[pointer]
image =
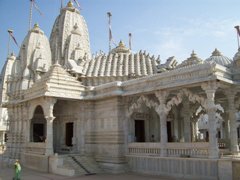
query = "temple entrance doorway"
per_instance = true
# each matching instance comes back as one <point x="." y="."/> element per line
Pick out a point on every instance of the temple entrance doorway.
<point x="139" y="131"/>
<point x="169" y="131"/>
<point x="69" y="134"/>
<point x="65" y="127"/>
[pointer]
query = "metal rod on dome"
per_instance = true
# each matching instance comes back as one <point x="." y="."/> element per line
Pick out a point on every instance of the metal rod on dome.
<point x="130" y="41"/>
<point x="110" y="30"/>
<point x="238" y="35"/>
<point x="61" y="4"/>
<point x="238" y="41"/>
<point x="9" y="40"/>
<point x="30" y="16"/>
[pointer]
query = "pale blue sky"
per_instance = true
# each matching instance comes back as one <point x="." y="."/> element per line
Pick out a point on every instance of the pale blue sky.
<point x="161" y="27"/>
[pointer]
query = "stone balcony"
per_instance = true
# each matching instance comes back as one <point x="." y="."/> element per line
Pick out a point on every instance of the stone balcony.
<point x="199" y="149"/>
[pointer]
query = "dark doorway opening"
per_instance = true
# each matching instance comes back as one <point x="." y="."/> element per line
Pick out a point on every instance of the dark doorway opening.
<point x="38" y="132"/>
<point x="139" y="131"/>
<point x="69" y="134"/>
<point x="38" y="126"/>
<point x="207" y="136"/>
<point x="169" y="131"/>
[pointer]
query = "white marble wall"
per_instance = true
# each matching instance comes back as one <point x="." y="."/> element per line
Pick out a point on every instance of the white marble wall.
<point x="175" y="167"/>
<point x="104" y="133"/>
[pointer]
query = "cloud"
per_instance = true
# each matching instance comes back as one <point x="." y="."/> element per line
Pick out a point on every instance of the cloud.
<point x="193" y="34"/>
<point x="172" y="47"/>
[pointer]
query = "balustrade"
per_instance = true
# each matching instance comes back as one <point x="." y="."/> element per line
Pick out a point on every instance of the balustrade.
<point x="173" y="149"/>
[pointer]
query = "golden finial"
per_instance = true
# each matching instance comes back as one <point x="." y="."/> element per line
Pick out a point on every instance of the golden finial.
<point x="121" y="44"/>
<point x="36" y="25"/>
<point x="216" y="52"/>
<point x="193" y="54"/>
<point x="70" y="4"/>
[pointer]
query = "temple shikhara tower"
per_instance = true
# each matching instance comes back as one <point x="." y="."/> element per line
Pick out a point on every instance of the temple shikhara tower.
<point x="72" y="112"/>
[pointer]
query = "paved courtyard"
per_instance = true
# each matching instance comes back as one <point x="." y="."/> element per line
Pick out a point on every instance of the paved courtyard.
<point x="6" y="173"/>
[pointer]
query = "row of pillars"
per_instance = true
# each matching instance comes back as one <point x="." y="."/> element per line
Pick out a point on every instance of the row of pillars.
<point x="19" y="126"/>
<point x="210" y="89"/>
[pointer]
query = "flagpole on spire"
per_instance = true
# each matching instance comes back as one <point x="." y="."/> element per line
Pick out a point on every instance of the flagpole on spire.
<point x="130" y="41"/>
<point x="238" y="35"/>
<point x="9" y="39"/>
<point x="110" y="30"/>
<point x="30" y="16"/>
<point x="33" y="4"/>
<point x="77" y="3"/>
<point x="61" y="4"/>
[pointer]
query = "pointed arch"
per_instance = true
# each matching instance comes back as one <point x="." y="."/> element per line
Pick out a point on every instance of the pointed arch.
<point x="38" y="125"/>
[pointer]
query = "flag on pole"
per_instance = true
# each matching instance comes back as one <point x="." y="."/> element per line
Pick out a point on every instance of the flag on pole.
<point x="109" y="30"/>
<point x="78" y="5"/>
<point x="111" y="40"/>
<point x="238" y="30"/>
<point x="130" y="41"/>
<point x="109" y="24"/>
<point x="12" y="36"/>
<point x="36" y="7"/>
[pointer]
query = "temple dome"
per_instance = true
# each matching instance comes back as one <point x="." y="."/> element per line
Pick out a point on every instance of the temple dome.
<point x="118" y="66"/>
<point x="218" y="58"/>
<point x="193" y="59"/>
<point x="35" y="54"/>
<point x="67" y="23"/>
<point x="31" y="42"/>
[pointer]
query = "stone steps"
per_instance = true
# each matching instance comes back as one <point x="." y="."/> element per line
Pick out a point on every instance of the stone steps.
<point x="82" y="165"/>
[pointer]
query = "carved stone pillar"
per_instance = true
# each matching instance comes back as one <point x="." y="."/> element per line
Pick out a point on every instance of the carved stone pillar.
<point x="26" y="130"/>
<point x="176" y="123"/>
<point x="49" y="104"/>
<point x="233" y="122"/>
<point x="10" y="132"/>
<point x="25" y="127"/>
<point x="15" y="133"/>
<point x="81" y="124"/>
<point x="226" y="126"/>
<point x="19" y="127"/>
<point x="194" y="129"/>
<point x="210" y="90"/>
<point x="49" y="137"/>
<point x="162" y="112"/>
<point x="186" y="122"/>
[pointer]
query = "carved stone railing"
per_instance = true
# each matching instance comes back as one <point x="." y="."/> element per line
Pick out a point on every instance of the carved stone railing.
<point x="35" y="148"/>
<point x="144" y="148"/>
<point x="173" y="149"/>
<point x="188" y="149"/>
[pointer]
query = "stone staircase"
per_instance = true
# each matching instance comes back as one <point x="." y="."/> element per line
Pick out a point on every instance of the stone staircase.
<point x="82" y="165"/>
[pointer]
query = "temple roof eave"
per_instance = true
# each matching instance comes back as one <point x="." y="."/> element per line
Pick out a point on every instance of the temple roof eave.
<point x="56" y="83"/>
<point x="193" y="76"/>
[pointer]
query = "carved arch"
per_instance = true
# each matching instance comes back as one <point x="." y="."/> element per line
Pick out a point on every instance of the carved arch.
<point x="176" y="100"/>
<point x="137" y="104"/>
<point x="33" y="109"/>
<point x="47" y="105"/>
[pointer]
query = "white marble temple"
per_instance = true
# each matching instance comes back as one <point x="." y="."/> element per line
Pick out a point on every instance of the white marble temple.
<point x="125" y="110"/>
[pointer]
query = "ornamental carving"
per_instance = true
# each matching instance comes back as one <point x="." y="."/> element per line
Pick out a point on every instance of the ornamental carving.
<point x="136" y="105"/>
